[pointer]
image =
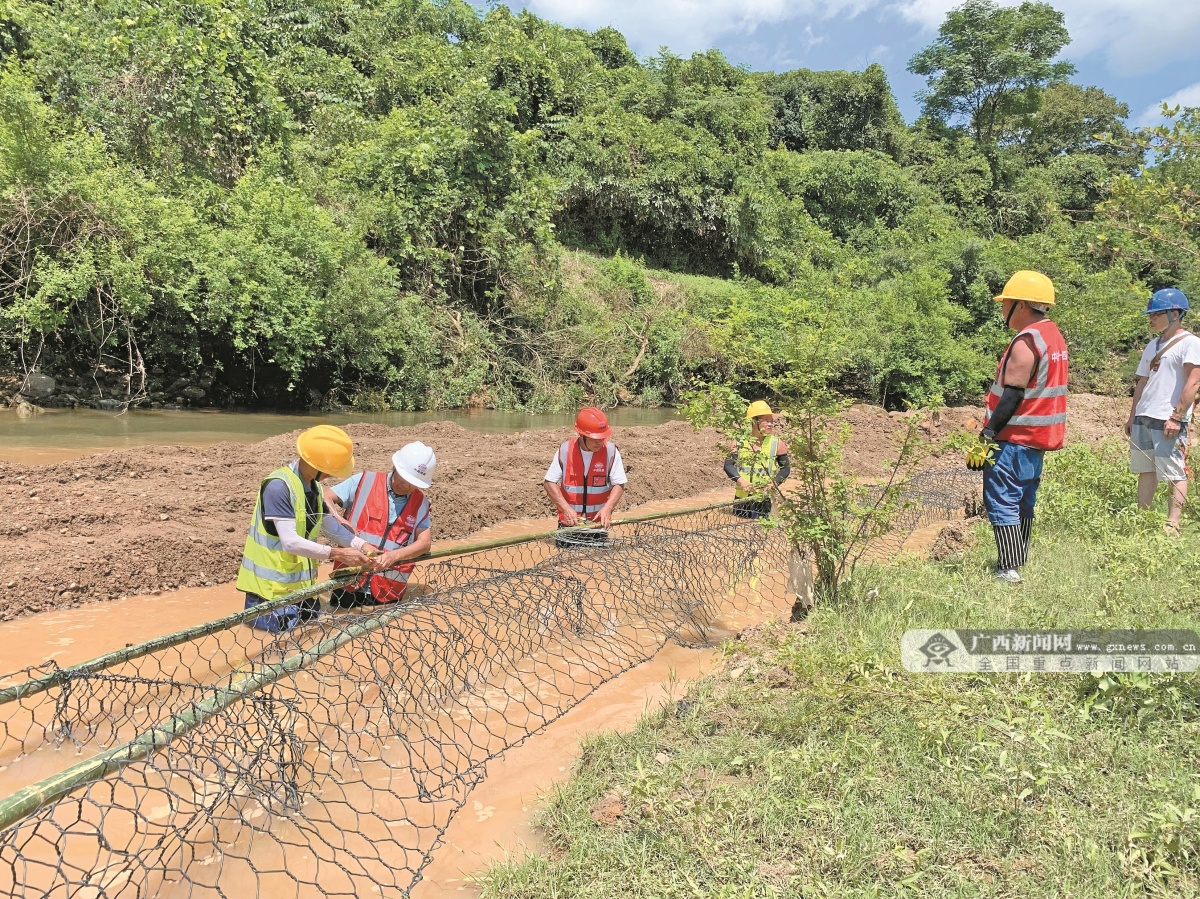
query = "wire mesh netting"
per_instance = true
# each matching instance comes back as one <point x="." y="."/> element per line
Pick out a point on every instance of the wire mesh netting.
<point x="328" y="760"/>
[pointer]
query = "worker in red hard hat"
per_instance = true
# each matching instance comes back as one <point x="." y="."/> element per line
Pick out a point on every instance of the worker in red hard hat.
<point x="586" y="478"/>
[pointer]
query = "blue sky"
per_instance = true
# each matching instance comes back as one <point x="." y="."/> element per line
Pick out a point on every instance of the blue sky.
<point x="1141" y="51"/>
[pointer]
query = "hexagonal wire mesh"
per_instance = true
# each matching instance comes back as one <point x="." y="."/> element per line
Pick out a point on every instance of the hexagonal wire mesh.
<point x="329" y="760"/>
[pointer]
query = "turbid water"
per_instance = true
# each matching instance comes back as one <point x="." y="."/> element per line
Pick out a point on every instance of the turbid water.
<point x="496" y="820"/>
<point x="55" y="435"/>
<point x="497" y="814"/>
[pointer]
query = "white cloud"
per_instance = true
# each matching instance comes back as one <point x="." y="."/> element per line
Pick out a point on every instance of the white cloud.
<point x="1187" y="96"/>
<point x="810" y="39"/>
<point x="689" y="25"/>
<point x="1134" y="36"/>
<point x="770" y="54"/>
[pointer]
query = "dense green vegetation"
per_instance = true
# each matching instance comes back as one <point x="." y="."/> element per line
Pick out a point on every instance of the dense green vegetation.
<point x="406" y="203"/>
<point x="814" y="765"/>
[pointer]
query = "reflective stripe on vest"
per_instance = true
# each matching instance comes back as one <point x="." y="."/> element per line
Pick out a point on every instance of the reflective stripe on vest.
<point x="757" y="466"/>
<point x="1037" y="421"/>
<point x="293" y="578"/>
<point x="1033" y="393"/>
<point x="267" y="570"/>
<point x="370" y="516"/>
<point x="1040" y="421"/>
<point x="262" y="538"/>
<point x="586" y="492"/>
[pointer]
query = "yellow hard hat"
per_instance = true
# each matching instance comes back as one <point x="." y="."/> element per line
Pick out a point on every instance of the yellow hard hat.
<point x="757" y="408"/>
<point x="1028" y="287"/>
<point x="327" y="449"/>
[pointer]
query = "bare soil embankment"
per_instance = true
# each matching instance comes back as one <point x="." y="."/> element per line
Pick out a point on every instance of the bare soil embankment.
<point x="157" y="518"/>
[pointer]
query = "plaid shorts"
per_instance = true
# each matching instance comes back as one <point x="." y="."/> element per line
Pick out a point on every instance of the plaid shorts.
<point x="1151" y="452"/>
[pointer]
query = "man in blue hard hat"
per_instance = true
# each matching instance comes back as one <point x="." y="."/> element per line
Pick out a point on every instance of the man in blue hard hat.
<point x="1168" y="377"/>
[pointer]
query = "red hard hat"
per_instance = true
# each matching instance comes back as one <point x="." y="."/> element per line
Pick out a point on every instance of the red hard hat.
<point x="591" y="422"/>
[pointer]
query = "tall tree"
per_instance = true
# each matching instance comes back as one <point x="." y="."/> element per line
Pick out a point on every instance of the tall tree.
<point x="1153" y="219"/>
<point x="1076" y="119"/>
<point x="991" y="62"/>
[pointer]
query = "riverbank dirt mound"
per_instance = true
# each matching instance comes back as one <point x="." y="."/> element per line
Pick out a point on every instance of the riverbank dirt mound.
<point x="1092" y="418"/>
<point x="157" y="518"/>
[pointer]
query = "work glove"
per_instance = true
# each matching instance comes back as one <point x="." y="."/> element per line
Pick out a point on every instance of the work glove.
<point x="980" y="453"/>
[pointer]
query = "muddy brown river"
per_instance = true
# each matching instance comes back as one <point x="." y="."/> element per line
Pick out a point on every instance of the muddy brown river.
<point x="55" y="435"/>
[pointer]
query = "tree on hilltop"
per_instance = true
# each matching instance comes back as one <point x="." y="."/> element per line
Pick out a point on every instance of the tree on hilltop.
<point x="990" y="63"/>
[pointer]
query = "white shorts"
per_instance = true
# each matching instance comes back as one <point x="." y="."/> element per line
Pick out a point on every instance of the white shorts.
<point x="1151" y="452"/>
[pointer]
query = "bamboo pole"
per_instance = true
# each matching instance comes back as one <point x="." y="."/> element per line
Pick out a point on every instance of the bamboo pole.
<point x="26" y="801"/>
<point x="37" y="685"/>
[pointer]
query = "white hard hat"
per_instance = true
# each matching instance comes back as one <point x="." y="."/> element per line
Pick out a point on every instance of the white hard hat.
<point x="416" y="463"/>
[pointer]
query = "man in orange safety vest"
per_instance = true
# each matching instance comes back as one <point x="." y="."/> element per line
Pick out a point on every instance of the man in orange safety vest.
<point x="390" y="511"/>
<point x="586" y="478"/>
<point x="1026" y="417"/>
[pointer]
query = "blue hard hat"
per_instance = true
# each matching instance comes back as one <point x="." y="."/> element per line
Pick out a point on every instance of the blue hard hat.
<point x="1167" y="298"/>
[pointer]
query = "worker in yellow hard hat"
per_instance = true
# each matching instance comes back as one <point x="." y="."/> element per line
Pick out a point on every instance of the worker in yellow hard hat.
<point x="1026" y="417"/>
<point x="281" y="552"/>
<point x="756" y="462"/>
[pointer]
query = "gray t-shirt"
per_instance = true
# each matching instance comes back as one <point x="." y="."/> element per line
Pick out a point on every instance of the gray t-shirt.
<point x="277" y="503"/>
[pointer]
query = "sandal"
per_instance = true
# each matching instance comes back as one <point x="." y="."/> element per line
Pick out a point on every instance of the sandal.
<point x="1171" y="529"/>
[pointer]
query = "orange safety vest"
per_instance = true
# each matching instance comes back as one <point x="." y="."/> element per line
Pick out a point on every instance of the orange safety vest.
<point x="369" y="514"/>
<point x="1040" y="421"/>
<point x="586" y="493"/>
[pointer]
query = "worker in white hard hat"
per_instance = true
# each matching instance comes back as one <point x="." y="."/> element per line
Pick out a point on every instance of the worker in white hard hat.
<point x="390" y="511"/>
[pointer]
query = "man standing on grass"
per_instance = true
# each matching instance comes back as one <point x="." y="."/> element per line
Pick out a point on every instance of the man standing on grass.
<point x="1167" y="380"/>
<point x="1026" y="416"/>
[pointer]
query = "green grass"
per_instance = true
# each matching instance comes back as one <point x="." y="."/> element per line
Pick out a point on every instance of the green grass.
<point x="813" y="765"/>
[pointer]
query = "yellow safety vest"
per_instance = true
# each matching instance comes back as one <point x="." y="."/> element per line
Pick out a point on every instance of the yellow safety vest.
<point x="758" y="466"/>
<point x="266" y="569"/>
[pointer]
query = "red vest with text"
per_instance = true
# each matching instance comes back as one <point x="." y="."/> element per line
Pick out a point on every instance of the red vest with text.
<point x="369" y="515"/>
<point x="1040" y="422"/>
<point x="586" y="492"/>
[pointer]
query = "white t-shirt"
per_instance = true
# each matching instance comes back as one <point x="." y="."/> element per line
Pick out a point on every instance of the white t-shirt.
<point x="554" y="474"/>
<point x="1163" y="387"/>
